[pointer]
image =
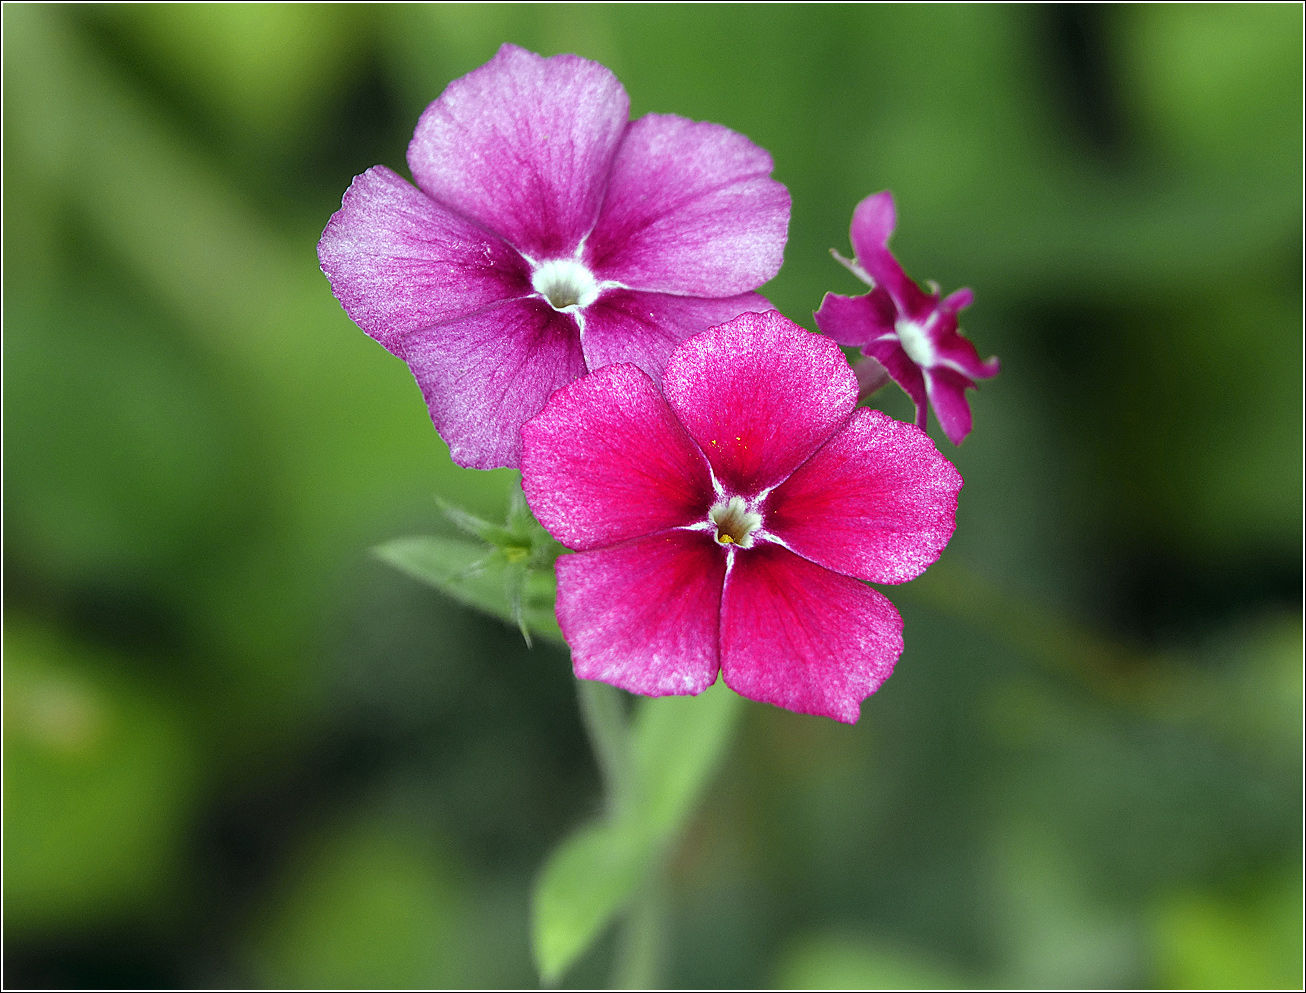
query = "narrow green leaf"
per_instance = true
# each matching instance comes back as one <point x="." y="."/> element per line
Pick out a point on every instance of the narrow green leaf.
<point x="603" y="712"/>
<point x="642" y="948"/>
<point x="477" y="527"/>
<point x="478" y="577"/>
<point x="587" y="881"/>
<point x="520" y="518"/>
<point x="514" y="574"/>
<point x="677" y="743"/>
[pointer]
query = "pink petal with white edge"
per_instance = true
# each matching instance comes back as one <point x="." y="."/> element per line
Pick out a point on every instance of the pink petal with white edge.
<point x="645" y="328"/>
<point x="759" y="395"/>
<point x="951" y="349"/>
<point x="802" y="637"/>
<point x="606" y="460"/>
<point x="873" y="223"/>
<point x="399" y="262"/>
<point x="644" y="615"/>
<point x="947" y="389"/>
<point x="878" y="502"/>
<point x="904" y="372"/>
<point x="857" y="320"/>
<point x="523" y="145"/>
<point x="485" y="375"/>
<point x="691" y="209"/>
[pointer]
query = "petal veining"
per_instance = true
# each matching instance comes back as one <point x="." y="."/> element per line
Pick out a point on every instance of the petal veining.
<point x="645" y="328"/>
<point x="802" y="637"/>
<point x="523" y="145"/>
<point x="691" y="208"/>
<point x="606" y="460"/>
<point x="644" y="615"/>
<point x="878" y="501"/>
<point x="759" y="395"/>
<point x="484" y="375"/>
<point x="399" y="262"/>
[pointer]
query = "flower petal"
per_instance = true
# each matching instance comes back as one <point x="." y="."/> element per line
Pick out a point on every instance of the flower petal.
<point x="644" y="615"/>
<point x="873" y="223"/>
<point x="802" y="637"/>
<point x="606" y="460"/>
<point x="903" y="371"/>
<point x="485" y="375"/>
<point x="947" y="389"/>
<point x="951" y="349"/>
<point x="877" y="502"/>
<point x="645" y="328"/>
<point x="691" y="209"/>
<point x="523" y="145"/>
<point x="857" y="320"/>
<point x="871" y="375"/>
<point x="399" y="262"/>
<point x="759" y="395"/>
<point x="958" y="300"/>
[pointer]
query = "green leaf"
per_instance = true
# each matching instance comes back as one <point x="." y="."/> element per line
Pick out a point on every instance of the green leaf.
<point x="587" y="881"/>
<point x="517" y="560"/>
<point x="480" y="577"/>
<point x="477" y="527"/>
<point x="675" y="746"/>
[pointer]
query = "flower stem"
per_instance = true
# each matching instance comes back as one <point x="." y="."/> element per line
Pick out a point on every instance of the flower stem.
<point x="640" y="944"/>
<point x="603" y="712"/>
<point x="638" y="964"/>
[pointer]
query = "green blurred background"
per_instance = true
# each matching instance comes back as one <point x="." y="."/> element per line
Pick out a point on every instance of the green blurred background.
<point x="239" y="750"/>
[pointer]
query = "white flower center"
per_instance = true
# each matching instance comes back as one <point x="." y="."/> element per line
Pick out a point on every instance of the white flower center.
<point x="915" y="342"/>
<point x="735" y="523"/>
<point x="565" y="283"/>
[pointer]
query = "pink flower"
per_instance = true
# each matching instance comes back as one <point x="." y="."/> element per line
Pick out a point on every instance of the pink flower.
<point x="724" y="522"/>
<point x="904" y="332"/>
<point x="548" y="235"/>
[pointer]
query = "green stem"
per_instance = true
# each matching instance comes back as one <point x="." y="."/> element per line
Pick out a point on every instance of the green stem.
<point x="603" y="712"/>
<point x="640" y="950"/>
<point x="639" y="947"/>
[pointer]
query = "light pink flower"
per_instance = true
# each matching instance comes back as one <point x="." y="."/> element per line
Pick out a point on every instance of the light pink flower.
<point x="724" y="522"/>
<point x="904" y="332"/>
<point x="548" y="235"/>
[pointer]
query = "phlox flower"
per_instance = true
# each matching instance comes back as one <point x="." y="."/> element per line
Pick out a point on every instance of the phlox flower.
<point x="904" y="332"/>
<point x="723" y="522"/>
<point x="548" y="235"/>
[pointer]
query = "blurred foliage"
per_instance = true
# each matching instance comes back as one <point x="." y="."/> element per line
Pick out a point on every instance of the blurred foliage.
<point x="240" y="750"/>
<point x="103" y="773"/>
<point x="372" y="907"/>
<point x="655" y="779"/>
<point x="846" y="962"/>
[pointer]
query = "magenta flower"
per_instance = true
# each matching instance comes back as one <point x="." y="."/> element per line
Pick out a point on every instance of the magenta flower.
<point x="548" y="235"/>
<point x="724" y="522"/>
<point x="902" y="331"/>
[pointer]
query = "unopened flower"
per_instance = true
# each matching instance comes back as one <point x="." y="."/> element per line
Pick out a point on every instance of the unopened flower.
<point x="904" y="332"/>
<point x="726" y="522"/>
<point x="548" y="235"/>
